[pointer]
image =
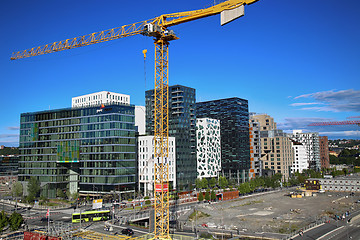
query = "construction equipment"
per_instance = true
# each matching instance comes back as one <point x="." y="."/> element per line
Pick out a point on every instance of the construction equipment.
<point x="158" y="29"/>
<point x="356" y="122"/>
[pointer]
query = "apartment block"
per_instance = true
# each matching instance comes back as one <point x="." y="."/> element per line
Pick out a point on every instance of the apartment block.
<point x="98" y="98"/>
<point x="324" y="152"/>
<point x="311" y="143"/>
<point x="300" y="158"/>
<point x="277" y="153"/>
<point x="256" y="165"/>
<point x="146" y="163"/>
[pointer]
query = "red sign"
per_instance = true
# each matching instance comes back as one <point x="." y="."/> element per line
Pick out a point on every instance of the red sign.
<point x="163" y="187"/>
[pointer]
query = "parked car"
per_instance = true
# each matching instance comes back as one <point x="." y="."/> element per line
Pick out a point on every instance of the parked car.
<point x="45" y="219"/>
<point x="127" y="231"/>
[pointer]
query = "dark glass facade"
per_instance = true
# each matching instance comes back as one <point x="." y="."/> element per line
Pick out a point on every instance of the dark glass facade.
<point x="9" y="165"/>
<point x="89" y="150"/>
<point x="233" y="114"/>
<point x="182" y="126"/>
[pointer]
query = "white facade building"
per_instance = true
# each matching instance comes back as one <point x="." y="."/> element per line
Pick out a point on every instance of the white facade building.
<point x="208" y="150"/>
<point x="140" y="119"/>
<point x="311" y="143"/>
<point x="300" y="158"/>
<point x="146" y="163"/>
<point x="98" y="98"/>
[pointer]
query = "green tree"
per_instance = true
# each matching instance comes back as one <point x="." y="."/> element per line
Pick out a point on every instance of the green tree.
<point x="244" y="188"/>
<point x="212" y="182"/>
<point x="201" y="197"/>
<point x="212" y="196"/>
<point x="223" y="183"/>
<point x="17" y="189"/>
<point x="204" y="183"/>
<point x="60" y="193"/>
<point x="207" y="196"/>
<point x="4" y="220"/>
<point x="33" y="189"/>
<point x="15" y="221"/>
<point x="198" y="183"/>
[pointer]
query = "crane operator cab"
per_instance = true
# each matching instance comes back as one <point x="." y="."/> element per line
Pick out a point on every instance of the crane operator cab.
<point x="154" y="30"/>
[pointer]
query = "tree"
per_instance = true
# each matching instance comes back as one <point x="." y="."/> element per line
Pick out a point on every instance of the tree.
<point x="223" y="183"/>
<point x="4" y="220"/>
<point x="212" y="182"/>
<point x="207" y="196"/>
<point x="60" y="193"/>
<point x="212" y="196"/>
<point x="198" y="183"/>
<point x="17" y="189"/>
<point x="201" y="197"/>
<point x="244" y="188"/>
<point x="33" y="189"/>
<point x="15" y="221"/>
<point x="204" y="183"/>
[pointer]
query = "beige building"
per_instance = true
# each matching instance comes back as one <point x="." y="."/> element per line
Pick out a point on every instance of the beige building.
<point x="276" y="148"/>
<point x="266" y="122"/>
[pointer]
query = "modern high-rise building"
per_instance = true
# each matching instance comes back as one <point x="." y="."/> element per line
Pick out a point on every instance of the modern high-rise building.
<point x="9" y="165"/>
<point x="324" y="152"/>
<point x="233" y="114"/>
<point x="256" y="165"/>
<point x="311" y="142"/>
<point x="277" y="153"/>
<point x="86" y="150"/>
<point x="182" y="124"/>
<point x="146" y="164"/>
<point x="208" y="147"/>
<point x="98" y="98"/>
<point x="300" y="158"/>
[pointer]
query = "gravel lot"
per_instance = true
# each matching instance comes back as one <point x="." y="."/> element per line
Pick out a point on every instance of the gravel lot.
<point x="275" y="212"/>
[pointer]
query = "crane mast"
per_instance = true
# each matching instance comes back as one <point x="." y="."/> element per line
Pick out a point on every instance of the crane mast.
<point x="158" y="29"/>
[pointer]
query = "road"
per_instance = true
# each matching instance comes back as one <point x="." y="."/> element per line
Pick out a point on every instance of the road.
<point x="341" y="229"/>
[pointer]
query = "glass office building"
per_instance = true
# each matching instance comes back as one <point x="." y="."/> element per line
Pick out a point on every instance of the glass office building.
<point x="233" y="114"/>
<point x="86" y="150"/>
<point x="182" y="126"/>
<point x="9" y="165"/>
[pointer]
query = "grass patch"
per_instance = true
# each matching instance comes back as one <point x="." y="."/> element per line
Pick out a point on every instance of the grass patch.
<point x="197" y="215"/>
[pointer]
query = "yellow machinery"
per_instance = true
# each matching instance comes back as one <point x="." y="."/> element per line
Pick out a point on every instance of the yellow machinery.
<point x="158" y="29"/>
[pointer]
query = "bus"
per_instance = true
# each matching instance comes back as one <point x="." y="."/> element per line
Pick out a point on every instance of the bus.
<point x="91" y="216"/>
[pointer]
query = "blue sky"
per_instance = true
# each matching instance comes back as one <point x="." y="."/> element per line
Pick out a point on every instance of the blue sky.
<point x="296" y="62"/>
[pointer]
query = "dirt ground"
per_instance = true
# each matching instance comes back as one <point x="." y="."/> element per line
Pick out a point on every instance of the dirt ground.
<point x="276" y="212"/>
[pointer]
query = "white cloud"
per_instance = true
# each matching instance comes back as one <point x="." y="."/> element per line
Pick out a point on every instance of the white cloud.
<point x="13" y="128"/>
<point x="340" y="101"/>
<point x="304" y="104"/>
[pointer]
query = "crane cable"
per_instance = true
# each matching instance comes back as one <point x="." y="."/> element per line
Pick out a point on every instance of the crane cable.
<point x="144" y="52"/>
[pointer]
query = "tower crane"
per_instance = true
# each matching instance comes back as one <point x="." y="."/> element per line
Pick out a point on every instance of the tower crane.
<point x="334" y="123"/>
<point x="157" y="28"/>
